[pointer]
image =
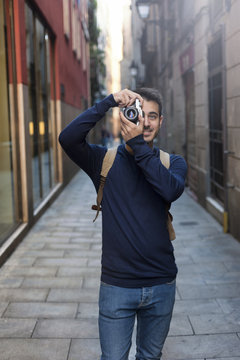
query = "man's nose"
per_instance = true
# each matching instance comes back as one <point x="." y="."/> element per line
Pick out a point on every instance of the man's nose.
<point x="146" y="121"/>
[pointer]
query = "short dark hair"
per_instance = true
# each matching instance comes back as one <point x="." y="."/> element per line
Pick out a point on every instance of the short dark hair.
<point x="151" y="94"/>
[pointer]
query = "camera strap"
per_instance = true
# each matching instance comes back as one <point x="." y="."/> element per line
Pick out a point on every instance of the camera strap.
<point x="108" y="161"/>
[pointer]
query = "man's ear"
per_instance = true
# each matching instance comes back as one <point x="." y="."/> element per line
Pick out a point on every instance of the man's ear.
<point x="160" y="120"/>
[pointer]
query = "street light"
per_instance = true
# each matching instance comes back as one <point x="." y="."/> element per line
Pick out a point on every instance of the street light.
<point x="133" y="71"/>
<point x="143" y="7"/>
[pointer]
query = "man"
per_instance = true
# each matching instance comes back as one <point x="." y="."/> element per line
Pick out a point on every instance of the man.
<point x="138" y="265"/>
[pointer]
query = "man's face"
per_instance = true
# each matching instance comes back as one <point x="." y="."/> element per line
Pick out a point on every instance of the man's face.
<point x="152" y="120"/>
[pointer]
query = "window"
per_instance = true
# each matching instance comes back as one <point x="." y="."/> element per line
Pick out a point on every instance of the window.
<point x="76" y="30"/>
<point x="215" y="84"/>
<point x="7" y="209"/>
<point x="40" y="116"/>
<point x="66" y="18"/>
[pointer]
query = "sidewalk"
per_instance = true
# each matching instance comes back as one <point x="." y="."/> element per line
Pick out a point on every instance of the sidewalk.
<point x="49" y="286"/>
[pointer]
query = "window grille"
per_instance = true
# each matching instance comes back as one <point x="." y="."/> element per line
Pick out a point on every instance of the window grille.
<point x="215" y="100"/>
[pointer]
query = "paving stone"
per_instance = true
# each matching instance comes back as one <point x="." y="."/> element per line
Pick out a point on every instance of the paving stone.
<point x="66" y="234"/>
<point x="16" y="328"/>
<point x="80" y="240"/>
<point x="61" y="262"/>
<point x="87" y="310"/>
<point x="218" y="243"/>
<point x="197" y="307"/>
<point x="177" y="296"/>
<point x="85" y="349"/>
<point x="3" y="306"/>
<point x="53" y="282"/>
<point x="41" y="310"/>
<point x="69" y="295"/>
<point x="63" y="230"/>
<point x="94" y="262"/>
<point x="215" y="323"/>
<point x="210" y="268"/>
<point x="228" y="277"/>
<point x="232" y="265"/>
<point x="207" y="255"/>
<point x="97" y="247"/>
<point x="31" y="246"/>
<point x="230" y="305"/>
<point x="68" y="224"/>
<point x="31" y="271"/>
<point x="97" y="236"/>
<point x="42" y="253"/>
<point x="183" y="260"/>
<point x="34" y="349"/>
<point x="78" y="271"/>
<point x="209" y="291"/>
<point x="91" y="282"/>
<point x="191" y="279"/>
<point x="180" y="325"/>
<point x="202" y="346"/>
<point x="82" y="246"/>
<point x="82" y="253"/>
<point x="9" y="282"/>
<point x="28" y="261"/>
<point x="23" y="294"/>
<point x="52" y="239"/>
<point x="67" y="328"/>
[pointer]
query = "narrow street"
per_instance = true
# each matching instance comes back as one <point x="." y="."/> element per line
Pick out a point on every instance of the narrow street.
<point x="49" y="286"/>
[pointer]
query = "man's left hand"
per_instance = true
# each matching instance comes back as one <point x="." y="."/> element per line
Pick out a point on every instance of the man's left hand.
<point x="129" y="130"/>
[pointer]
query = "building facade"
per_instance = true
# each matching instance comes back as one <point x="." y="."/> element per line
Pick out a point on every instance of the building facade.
<point x="197" y="69"/>
<point x="44" y="82"/>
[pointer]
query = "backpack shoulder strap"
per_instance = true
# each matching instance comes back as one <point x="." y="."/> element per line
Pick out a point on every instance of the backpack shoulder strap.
<point x="106" y="166"/>
<point x="165" y="158"/>
<point x="108" y="161"/>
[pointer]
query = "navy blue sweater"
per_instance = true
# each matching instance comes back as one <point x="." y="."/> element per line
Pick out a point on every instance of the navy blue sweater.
<point x="136" y="249"/>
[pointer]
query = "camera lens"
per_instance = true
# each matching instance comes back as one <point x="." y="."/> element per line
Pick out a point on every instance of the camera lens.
<point x="131" y="113"/>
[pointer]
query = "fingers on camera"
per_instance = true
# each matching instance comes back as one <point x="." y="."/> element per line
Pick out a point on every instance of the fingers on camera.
<point x="131" y="97"/>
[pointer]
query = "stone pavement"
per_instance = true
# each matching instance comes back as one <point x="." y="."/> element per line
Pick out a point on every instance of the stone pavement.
<point x="49" y="286"/>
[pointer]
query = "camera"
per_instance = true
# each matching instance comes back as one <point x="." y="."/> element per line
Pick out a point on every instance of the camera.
<point x="131" y="112"/>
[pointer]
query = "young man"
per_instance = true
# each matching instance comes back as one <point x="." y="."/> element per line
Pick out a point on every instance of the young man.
<point x="138" y="265"/>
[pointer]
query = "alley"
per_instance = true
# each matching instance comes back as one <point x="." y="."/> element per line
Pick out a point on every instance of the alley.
<point x="49" y="286"/>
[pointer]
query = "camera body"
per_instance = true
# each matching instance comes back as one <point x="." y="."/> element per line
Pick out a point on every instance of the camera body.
<point x="132" y="112"/>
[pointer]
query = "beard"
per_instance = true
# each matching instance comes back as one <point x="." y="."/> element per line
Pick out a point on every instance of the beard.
<point x="151" y="134"/>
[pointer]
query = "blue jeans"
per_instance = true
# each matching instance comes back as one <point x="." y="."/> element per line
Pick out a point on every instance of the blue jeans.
<point x="118" y="308"/>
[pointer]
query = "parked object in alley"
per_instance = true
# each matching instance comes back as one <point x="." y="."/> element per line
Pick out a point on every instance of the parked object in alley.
<point x="138" y="264"/>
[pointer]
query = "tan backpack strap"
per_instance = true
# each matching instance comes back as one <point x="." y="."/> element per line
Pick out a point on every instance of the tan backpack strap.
<point x="165" y="159"/>
<point x="108" y="161"/>
<point x="106" y="166"/>
<point x="171" y="231"/>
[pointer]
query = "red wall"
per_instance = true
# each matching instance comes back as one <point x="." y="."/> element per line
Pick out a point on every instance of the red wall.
<point x="68" y="70"/>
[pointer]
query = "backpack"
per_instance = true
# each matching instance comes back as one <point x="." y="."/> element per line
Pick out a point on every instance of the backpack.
<point x="106" y="166"/>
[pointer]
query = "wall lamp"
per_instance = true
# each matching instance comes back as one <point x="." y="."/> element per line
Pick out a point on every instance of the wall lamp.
<point x="143" y="7"/>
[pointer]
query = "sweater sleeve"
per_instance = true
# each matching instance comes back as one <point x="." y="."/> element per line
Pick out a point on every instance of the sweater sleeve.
<point x="169" y="183"/>
<point x="73" y="137"/>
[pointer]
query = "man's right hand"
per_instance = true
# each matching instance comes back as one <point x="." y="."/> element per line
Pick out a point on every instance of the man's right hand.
<point x="127" y="98"/>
